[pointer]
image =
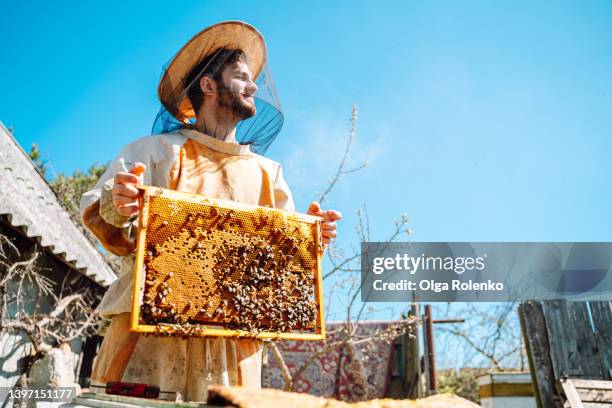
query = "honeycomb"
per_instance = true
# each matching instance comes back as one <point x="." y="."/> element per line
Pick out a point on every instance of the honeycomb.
<point x="205" y="263"/>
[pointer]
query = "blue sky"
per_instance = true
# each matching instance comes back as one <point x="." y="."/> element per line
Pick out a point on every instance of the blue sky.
<point x="484" y="121"/>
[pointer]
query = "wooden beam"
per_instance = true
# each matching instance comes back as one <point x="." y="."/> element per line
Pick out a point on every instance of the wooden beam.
<point x="533" y="326"/>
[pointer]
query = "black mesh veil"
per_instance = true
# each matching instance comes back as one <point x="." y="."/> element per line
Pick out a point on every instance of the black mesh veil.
<point x="207" y="54"/>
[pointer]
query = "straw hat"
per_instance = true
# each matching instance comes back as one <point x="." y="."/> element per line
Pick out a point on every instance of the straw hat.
<point x="227" y="34"/>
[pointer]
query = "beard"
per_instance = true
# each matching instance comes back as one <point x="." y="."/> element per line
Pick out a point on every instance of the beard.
<point x="235" y="104"/>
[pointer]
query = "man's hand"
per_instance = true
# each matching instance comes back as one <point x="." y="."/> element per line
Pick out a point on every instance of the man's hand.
<point x="125" y="193"/>
<point x="328" y="226"/>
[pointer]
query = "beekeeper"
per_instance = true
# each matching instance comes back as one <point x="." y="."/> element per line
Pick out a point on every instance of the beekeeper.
<point x="220" y="112"/>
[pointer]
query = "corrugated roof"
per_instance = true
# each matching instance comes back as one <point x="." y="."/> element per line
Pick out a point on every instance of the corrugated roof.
<point x="30" y="204"/>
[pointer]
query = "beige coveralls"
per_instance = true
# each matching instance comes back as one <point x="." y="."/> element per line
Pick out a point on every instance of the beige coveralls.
<point x="193" y="162"/>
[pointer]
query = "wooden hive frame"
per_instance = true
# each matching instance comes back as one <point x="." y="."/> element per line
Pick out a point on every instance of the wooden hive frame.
<point x="309" y="223"/>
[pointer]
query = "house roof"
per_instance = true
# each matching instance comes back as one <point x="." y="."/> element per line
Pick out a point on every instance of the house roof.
<point x="31" y="205"/>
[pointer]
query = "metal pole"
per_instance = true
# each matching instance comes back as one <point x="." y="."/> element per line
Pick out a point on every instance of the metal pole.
<point x="431" y="360"/>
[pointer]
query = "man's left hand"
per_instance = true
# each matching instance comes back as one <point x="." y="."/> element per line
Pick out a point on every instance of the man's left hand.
<point x="328" y="225"/>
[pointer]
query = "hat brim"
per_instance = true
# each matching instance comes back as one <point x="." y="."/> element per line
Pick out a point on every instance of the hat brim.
<point x="227" y="34"/>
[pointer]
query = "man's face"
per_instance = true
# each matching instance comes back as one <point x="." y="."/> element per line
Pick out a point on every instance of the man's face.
<point x="236" y="91"/>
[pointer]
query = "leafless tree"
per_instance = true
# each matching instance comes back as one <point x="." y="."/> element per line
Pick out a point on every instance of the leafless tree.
<point x="48" y="312"/>
<point x="490" y="337"/>
<point x="345" y="270"/>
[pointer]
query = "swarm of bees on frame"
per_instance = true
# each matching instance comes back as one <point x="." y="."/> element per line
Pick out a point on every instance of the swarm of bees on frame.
<point x="251" y="285"/>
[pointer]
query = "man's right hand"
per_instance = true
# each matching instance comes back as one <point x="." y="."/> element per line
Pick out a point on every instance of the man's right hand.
<point x="125" y="193"/>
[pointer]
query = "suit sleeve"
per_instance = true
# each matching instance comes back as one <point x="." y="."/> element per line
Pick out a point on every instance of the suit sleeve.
<point x="98" y="213"/>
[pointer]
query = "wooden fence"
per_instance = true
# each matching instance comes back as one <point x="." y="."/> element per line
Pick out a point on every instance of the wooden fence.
<point x="566" y="339"/>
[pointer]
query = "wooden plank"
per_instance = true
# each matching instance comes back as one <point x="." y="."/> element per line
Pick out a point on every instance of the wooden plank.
<point x="101" y="400"/>
<point x="587" y="395"/>
<point x="592" y="384"/>
<point x="590" y="405"/>
<point x="594" y="390"/>
<point x="571" y="394"/>
<point x="602" y="320"/>
<point x="534" y="331"/>
<point x="589" y="357"/>
<point x="562" y="332"/>
<point x="573" y="349"/>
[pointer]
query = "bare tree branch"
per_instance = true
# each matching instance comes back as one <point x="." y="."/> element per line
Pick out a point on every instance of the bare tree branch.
<point x="31" y="303"/>
<point x="340" y="172"/>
